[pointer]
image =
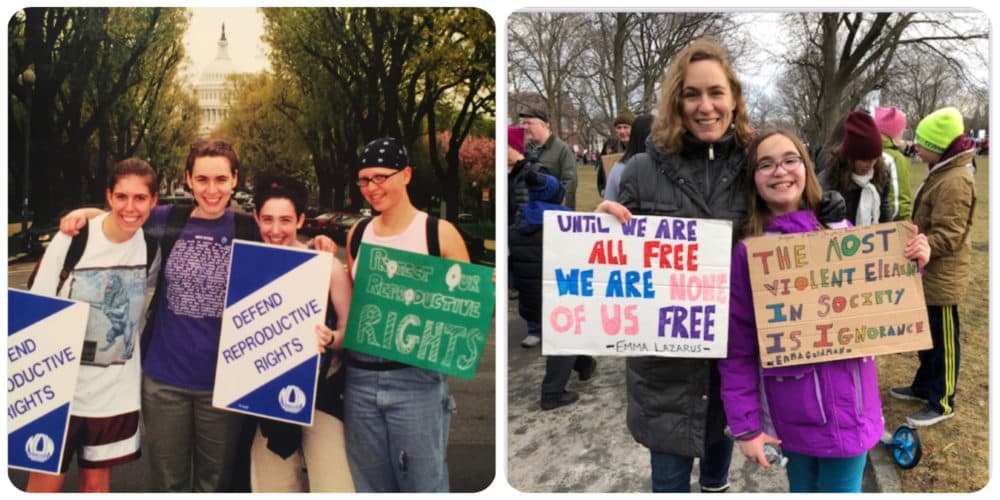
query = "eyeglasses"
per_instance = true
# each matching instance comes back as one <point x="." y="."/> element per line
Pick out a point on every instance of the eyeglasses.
<point x="378" y="179"/>
<point x="788" y="164"/>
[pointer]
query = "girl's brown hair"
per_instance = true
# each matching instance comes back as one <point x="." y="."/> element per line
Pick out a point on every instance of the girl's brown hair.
<point x="839" y="169"/>
<point x="213" y="148"/>
<point x="758" y="214"/>
<point x="133" y="166"/>
<point x="668" y="127"/>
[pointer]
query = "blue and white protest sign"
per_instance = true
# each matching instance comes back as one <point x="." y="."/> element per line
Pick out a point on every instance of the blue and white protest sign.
<point x="268" y="361"/>
<point x="44" y="340"/>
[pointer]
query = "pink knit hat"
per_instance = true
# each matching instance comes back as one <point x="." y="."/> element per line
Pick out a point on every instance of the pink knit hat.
<point x="890" y="121"/>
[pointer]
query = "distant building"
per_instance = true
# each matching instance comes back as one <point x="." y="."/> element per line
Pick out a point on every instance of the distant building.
<point x="212" y="88"/>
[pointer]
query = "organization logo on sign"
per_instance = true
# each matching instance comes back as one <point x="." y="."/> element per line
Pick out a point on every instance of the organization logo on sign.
<point x="39" y="448"/>
<point x="292" y="399"/>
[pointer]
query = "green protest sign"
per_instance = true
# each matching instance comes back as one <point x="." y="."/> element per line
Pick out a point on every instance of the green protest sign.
<point x="424" y="311"/>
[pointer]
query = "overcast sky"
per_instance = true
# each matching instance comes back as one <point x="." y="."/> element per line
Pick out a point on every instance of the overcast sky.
<point x="244" y="28"/>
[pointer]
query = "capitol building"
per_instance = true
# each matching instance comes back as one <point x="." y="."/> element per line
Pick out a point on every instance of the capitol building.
<point x="212" y="88"/>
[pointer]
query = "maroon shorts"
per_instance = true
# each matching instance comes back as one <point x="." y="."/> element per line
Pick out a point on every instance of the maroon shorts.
<point x="102" y="441"/>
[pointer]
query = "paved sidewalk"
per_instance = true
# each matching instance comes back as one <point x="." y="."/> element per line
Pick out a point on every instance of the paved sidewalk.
<point x="586" y="447"/>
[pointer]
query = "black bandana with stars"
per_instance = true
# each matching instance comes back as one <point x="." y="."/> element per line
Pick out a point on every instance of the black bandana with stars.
<point x="385" y="152"/>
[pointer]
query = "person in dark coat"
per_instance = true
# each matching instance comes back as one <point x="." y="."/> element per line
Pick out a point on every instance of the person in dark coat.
<point x="858" y="172"/>
<point x="525" y="263"/>
<point x="693" y="167"/>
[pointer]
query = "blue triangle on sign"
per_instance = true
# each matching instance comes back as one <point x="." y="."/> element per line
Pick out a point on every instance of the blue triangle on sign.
<point x="44" y="436"/>
<point x="279" y="399"/>
<point x="255" y="266"/>
<point x="23" y="309"/>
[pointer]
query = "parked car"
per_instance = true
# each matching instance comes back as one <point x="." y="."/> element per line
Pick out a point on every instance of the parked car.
<point x="320" y="224"/>
<point x="242" y="197"/>
<point x="343" y="224"/>
<point x="175" y="200"/>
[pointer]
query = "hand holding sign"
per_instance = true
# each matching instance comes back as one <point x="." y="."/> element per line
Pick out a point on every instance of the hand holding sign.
<point x="424" y="311"/>
<point x="645" y="286"/>
<point x="837" y="294"/>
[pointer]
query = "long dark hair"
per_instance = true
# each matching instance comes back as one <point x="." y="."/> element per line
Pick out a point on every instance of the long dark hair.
<point x="839" y="169"/>
<point x="637" y="137"/>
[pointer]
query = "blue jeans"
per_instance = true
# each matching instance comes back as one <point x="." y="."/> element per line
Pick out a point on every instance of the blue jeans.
<point x="396" y="429"/>
<point x="534" y="328"/>
<point x="672" y="473"/>
<point x="827" y="475"/>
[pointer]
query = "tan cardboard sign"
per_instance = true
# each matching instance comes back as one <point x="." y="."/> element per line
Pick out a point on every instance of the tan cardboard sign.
<point x="836" y="294"/>
<point x="608" y="161"/>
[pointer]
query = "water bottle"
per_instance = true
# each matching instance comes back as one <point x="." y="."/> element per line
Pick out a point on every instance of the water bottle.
<point x="774" y="455"/>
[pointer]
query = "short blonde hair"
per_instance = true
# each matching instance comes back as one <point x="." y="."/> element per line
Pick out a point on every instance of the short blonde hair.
<point x="669" y="124"/>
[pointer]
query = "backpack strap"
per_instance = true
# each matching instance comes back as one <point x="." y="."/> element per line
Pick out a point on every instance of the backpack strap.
<point x="246" y="227"/>
<point x="176" y="220"/>
<point x="73" y="254"/>
<point x="433" y="241"/>
<point x="359" y="231"/>
<point x="151" y="247"/>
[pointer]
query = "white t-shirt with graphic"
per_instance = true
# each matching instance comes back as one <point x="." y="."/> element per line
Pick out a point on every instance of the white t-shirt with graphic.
<point x="112" y="278"/>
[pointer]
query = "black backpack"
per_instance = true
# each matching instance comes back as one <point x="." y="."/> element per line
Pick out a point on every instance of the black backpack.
<point x="76" y="247"/>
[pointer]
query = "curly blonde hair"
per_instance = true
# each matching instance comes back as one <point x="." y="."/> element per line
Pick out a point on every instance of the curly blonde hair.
<point x="669" y="124"/>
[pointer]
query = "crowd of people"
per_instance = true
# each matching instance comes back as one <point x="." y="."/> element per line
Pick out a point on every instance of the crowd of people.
<point x="700" y="157"/>
<point x="379" y="425"/>
<point x="382" y="426"/>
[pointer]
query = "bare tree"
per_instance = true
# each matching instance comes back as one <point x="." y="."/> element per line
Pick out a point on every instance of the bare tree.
<point x="544" y="48"/>
<point x="604" y="62"/>
<point x="842" y="56"/>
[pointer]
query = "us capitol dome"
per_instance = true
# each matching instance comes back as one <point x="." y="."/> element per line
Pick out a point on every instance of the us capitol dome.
<point x="212" y="88"/>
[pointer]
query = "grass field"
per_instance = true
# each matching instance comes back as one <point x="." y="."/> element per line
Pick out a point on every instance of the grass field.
<point x="956" y="451"/>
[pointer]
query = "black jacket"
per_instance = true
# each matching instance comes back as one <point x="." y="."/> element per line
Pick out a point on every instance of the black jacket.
<point x="852" y="197"/>
<point x="517" y="189"/>
<point x="525" y="264"/>
<point x="674" y="404"/>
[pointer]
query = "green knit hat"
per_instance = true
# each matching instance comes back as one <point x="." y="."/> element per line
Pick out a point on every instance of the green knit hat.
<point x="938" y="129"/>
<point x="625" y="117"/>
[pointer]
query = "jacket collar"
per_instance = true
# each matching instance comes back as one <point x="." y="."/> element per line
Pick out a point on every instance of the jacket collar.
<point x="960" y="160"/>
<point x="799" y="221"/>
<point x="694" y="148"/>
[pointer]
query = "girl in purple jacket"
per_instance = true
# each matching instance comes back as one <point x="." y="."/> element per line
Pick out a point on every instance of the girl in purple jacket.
<point x="826" y="416"/>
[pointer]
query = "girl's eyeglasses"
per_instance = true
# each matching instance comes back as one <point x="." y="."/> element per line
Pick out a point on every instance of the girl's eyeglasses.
<point x="377" y="179"/>
<point x="788" y="164"/>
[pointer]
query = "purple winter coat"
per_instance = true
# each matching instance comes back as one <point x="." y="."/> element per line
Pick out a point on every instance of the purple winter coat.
<point x="826" y="410"/>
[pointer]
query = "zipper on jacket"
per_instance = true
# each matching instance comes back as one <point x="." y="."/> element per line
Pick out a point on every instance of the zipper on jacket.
<point x="819" y="395"/>
<point x="709" y="188"/>
<point x="858" y="390"/>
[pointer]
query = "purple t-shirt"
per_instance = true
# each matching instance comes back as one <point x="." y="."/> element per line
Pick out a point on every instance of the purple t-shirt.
<point x="185" y="342"/>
